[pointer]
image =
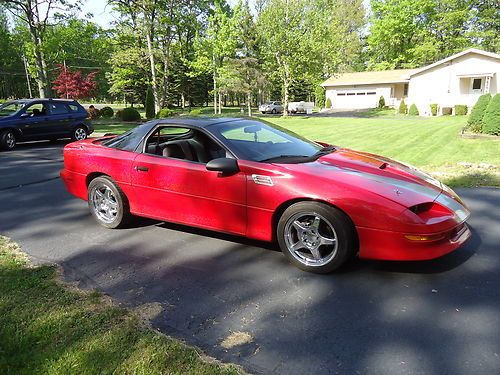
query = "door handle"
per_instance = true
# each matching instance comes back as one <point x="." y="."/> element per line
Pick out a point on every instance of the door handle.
<point x="140" y="168"/>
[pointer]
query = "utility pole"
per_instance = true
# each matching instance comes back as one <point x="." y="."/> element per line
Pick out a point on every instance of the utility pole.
<point x="27" y="75"/>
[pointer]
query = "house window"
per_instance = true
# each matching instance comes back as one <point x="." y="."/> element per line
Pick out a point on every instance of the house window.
<point x="371" y="93"/>
<point x="477" y="83"/>
<point x="405" y="90"/>
<point x="341" y="94"/>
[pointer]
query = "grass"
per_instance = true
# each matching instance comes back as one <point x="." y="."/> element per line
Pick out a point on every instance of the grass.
<point x="432" y="144"/>
<point x="47" y="328"/>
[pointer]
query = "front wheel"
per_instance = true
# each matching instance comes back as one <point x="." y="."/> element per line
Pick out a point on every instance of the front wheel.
<point x="79" y="134"/>
<point x="107" y="203"/>
<point x="273" y="111"/>
<point x="7" y="140"/>
<point x="316" y="237"/>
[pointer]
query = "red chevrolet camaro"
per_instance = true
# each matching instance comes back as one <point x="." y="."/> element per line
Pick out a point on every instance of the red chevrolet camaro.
<point x="323" y="204"/>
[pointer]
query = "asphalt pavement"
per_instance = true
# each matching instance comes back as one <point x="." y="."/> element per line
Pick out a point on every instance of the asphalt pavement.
<point x="436" y="317"/>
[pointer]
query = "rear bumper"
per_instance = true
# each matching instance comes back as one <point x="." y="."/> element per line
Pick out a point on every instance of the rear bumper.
<point x="388" y="245"/>
<point x="75" y="183"/>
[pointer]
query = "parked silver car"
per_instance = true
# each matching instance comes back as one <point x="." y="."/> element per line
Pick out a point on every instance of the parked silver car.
<point x="271" y="107"/>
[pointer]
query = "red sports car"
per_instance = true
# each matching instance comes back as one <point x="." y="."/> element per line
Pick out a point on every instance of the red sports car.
<point x="323" y="204"/>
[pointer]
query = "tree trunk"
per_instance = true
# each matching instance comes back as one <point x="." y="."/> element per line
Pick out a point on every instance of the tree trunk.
<point x="219" y="110"/>
<point x="249" y="103"/>
<point x="215" y="92"/>
<point x="154" y="84"/>
<point x="41" y="65"/>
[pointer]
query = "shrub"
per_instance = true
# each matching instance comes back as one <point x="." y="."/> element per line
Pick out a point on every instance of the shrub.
<point x="130" y="114"/>
<point x="106" y="112"/>
<point x="328" y="103"/>
<point x="460" y="110"/>
<point x="150" y="104"/>
<point x="413" y="110"/>
<point x="381" y="102"/>
<point x="196" y="112"/>
<point x="475" y="120"/>
<point x="403" y="108"/>
<point x="447" y="111"/>
<point x="165" y="112"/>
<point x="319" y="96"/>
<point x="118" y="114"/>
<point x="93" y="112"/>
<point x="491" y="119"/>
<point x="434" y="109"/>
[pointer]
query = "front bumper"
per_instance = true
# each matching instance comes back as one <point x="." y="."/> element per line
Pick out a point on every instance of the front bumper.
<point x="388" y="245"/>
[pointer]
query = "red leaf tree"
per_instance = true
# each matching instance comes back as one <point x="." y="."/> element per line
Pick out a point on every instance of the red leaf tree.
<point x="74" y="85"/>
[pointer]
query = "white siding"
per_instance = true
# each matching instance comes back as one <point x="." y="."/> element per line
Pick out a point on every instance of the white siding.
<point x="342" y="96"/>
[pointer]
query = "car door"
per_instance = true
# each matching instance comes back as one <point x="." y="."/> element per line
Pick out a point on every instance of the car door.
<point x="186" y="192"/>
<point x="60" y="119"/>
<point x="34" y="122"/>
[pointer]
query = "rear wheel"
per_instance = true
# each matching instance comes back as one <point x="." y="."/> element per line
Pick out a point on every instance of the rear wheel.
<point x="79" y="134"/>
<point x="273" y="111"/>
<point x="316" y="237"/>
<point x="107" y="203"/>
<point x="7" y="140"/>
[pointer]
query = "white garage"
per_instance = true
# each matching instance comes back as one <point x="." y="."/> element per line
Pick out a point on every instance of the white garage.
<point x="363" y="89"/>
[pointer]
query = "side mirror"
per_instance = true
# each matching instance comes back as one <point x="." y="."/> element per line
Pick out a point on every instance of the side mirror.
<point x="223" y="165"/>
<point x="25" y="115"/>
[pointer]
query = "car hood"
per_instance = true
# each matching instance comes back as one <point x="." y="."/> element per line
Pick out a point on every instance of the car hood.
<point x="388" y="178"/>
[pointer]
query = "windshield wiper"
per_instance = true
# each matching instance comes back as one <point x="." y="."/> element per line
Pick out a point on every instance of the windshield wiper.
<point x="324" y="151"/>
<point x="283" y="157"/>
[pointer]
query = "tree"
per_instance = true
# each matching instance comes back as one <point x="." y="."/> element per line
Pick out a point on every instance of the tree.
<point x="150" y="105"/>
<point x="36" y="14"/>
<point x="491" y="119"/>
<point x="475" y="120"/>
<point x="73" y="85"/>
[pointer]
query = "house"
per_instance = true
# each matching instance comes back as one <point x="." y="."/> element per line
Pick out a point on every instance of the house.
<point x="458" y="79"/>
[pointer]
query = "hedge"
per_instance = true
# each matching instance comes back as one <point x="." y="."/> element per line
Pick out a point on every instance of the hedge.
<point x="475" y="120"/>
<point x="491" y="119"/>
<point x="447" y="111"/>
<point x="403" y="108"/>
<point x="434" y="109"/>
<point x="460" y="110"/>
<point x="413" y="110"/>
<point x="328" y="103"/>
<point x="165" y="112"/>
<point x="106" y="112"/>
<point x="130" y="114"/>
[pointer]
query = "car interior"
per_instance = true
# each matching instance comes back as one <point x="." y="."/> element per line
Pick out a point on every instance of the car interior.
<point x="183" y="143"/>
<point x="37" y="110"/>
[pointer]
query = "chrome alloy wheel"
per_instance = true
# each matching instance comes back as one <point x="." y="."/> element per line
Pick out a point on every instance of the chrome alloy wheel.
<point x="80" y="134"/>
<point x="104" y="203"/>
<point x="310" y="238"/>
<point x="10" y="140"/>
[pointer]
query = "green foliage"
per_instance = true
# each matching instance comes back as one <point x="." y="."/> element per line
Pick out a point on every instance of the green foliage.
<point x="130" y="114"/>
<point x="447" y="111"/>
<point x="381" y="102"/>
<point x="434" y="109"/>
<point x="475" y="120"/>
<point x="413" y="110"/>
<point x="403" y="108"/>
<point x="106" y="112"/>
<point x="328" y="103"/>
<point x="460" y="110"/>
<point x="165" y="112"/>
<point x="196" y="112"/>
<point x="320" y="96"/>
<point x="491" y="119"/>
<point x="150" y="104"/>
<point x="118" y="114"/>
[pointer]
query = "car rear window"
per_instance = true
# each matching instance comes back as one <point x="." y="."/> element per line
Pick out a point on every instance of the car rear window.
<point x="58" y="108"/>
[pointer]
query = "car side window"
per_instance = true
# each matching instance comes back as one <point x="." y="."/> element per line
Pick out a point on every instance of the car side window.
<point x="73" y="108"/>
<point x="37" y="109"/>
<point x="58" y="108"/>
<point x="183" y="143"/>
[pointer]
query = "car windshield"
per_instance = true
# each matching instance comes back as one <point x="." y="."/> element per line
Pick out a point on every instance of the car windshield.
<point x="10" y="108"/>
<point x="262" y="142"/>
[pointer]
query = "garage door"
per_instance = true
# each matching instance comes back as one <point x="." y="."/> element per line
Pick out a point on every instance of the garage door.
<point x="352" y="99"/>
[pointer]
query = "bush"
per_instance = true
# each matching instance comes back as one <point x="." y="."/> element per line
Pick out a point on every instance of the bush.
<point x="447" y="111"/>
<point x="150" y="104"/>
<point x="475" y="120"/>
<point x="106" y="112"/>
<point x="403" y="108"/>
<point x="413" y="110"/>
<point x="196" y="112"/>
<point x="93" y="112"/>
<point x="460" y="110"/>
<point x="130" y="114"/>
<point x="165" y="112"/>
<point x="118" y="114"/>
<point x="491" y="119"/>
<point x="434" y="109"/>
<point x="381" y="102"/>
<point x="328" y="103"/>
<point x="319" y="96"/>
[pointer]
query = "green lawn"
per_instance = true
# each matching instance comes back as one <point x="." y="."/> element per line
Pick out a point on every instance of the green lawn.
<point x="432" y="144"/>
<point x="46" y="328"/>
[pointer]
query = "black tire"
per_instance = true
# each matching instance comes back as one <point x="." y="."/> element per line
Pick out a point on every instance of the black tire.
<point x="263" y="112"/>
<point x="7" y="140"/>
<point x="122" y="216"/>
<point x="79" y="133"/>
<point x="273" y="111"/>
<point x="333" y="225"/>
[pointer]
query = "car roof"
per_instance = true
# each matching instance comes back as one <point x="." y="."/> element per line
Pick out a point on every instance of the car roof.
<point x="199" y="122"/>
<point x="43" y="100"/>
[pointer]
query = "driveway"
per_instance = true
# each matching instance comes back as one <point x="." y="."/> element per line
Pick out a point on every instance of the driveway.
<point x="439" y="317"/>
